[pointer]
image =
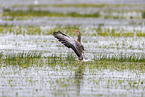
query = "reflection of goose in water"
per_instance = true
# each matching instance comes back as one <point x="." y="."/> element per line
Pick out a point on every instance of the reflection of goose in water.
<point x="69" y="42"/>
<point x="79" y="73"/>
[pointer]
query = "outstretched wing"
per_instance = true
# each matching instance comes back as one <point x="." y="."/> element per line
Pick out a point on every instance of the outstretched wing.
<point x="70" y="43"/>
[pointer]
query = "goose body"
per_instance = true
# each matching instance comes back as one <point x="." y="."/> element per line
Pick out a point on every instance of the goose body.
<point x="69" y="42"/>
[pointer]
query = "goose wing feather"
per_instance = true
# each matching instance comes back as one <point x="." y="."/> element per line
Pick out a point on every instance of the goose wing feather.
<point x="69" y="42"/>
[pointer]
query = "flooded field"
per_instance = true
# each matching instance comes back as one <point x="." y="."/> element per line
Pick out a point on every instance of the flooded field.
<point x="34" y="63"/>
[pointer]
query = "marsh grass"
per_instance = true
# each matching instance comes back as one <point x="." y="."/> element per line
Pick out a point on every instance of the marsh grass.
<point x="143" y="14"/>
<point x="139" y="34"/>
<point x="1" y="54"/>
<point x="64" y="5"/>
<point x="37" y="30"/>
<point x="26" y="14"/>
<point x="122" y="34"/>
<point x="115" y="33"/>
<point x="31" y="30"/>
<point x="80" y="5"/>
<point x="28" y="59"/>
<point x="23" y="59"/>
<point x="121" y="57"/>
<point x="68" y="29"/>
<point x="41" y="13"/>
<point x="29" y="14"/>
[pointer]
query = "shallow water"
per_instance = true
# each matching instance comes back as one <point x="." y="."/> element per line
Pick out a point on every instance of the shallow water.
<point x="45" y="81"/>
<point x="93" y="45"/>
<point x="70" y="80"/>
<point x="47" y="75"/>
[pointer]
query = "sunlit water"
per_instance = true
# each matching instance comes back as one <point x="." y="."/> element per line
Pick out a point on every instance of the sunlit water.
<point x="45" y="81"/>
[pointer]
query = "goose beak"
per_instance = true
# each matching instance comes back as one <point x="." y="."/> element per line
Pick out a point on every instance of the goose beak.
<point x="82" y="62"/>
<point x="75" y="30"/>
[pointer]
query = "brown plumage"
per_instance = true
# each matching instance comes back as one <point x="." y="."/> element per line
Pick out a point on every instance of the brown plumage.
<point x="69" y="42"/>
